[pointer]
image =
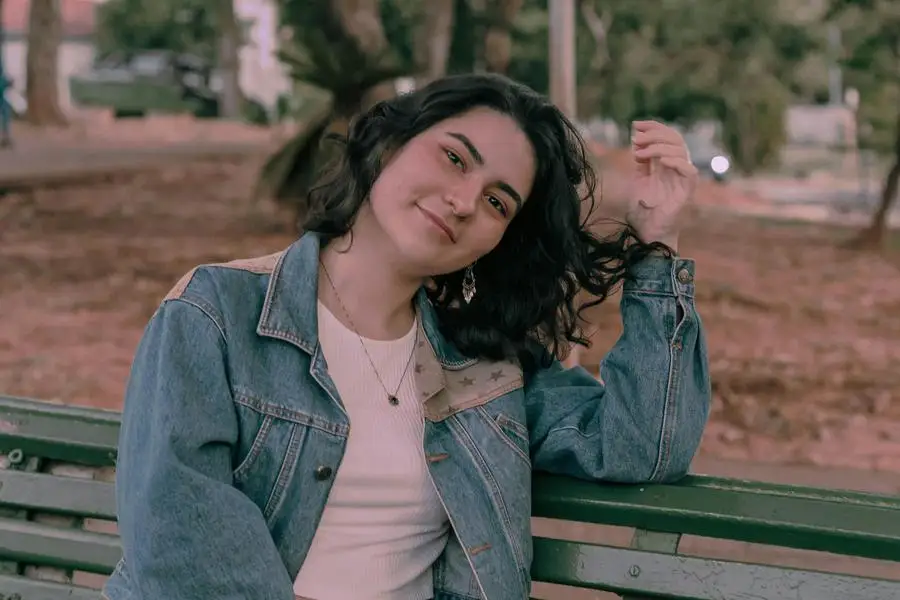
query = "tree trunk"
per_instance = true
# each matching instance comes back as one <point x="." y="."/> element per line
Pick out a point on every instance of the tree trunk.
<point x="478" y="10"/>
<point x="599" y="26"/>
<point x="433" y="38"/>
<point x="498" y="39"/>
<point x="873" y="236"/>
<point x="2" y="32"/>
<point x="41" y="85"/>
<point x="229" y="44"/>
<point x="360" y="21"/>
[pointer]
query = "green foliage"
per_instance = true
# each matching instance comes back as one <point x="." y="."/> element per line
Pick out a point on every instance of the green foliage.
<point x="687" y="60"/>
<point x="741" y="62"/>
<point x="465" y="43"/>
<point x="321" y="54"/>
<point x="531" y="38"/>
<point x="129" y="26"/>
<point x="753" y="123"/>
<point x="871" y="39"/>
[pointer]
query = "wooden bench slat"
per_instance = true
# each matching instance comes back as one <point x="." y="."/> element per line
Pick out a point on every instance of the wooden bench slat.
<point x="626" y="571"/>
<point x="40" y="544"/>
<point x="794" y="492"/>
<point x="23" y="588"/>
<point x="58" y="432"/>
<point x="60" y="495"/>
<point x="842" y="522"/>
<point x="700" y="506"/>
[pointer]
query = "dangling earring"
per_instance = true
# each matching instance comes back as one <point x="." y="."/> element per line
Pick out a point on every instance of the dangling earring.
<point x="468" y="284"/>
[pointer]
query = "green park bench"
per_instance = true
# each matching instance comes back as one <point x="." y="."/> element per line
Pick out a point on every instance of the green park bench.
<point x="57" y="524"/>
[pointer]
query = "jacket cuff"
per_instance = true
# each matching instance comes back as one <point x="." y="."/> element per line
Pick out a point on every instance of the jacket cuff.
<point x="659" y="275"/>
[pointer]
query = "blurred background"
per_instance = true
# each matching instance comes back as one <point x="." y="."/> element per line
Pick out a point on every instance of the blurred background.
<point x="150" y="136"/>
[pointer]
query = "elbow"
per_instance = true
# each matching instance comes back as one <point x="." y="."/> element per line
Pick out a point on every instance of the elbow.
<point x="673" y="474"/>
<point x="676" y="463"/>
<point x="680" y="442"/>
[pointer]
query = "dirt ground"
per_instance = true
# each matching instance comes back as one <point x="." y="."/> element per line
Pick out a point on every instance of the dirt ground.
<point x="804" y="337"/>
<point x="91" y="128"/>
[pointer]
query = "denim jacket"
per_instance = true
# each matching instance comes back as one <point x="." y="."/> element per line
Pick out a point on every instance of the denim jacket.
<point x="232" y="431"/>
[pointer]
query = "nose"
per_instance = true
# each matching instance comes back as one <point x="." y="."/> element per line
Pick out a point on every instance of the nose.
<point x="463" y="198"/>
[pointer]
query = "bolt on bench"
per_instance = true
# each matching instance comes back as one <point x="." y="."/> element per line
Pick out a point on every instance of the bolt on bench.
<point x="58" y="541"/>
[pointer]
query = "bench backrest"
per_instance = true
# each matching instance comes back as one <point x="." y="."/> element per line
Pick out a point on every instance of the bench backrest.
<point x="57" y="515"/>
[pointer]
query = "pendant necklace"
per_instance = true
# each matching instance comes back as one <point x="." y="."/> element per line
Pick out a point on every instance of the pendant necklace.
<point x="392" y="398"/>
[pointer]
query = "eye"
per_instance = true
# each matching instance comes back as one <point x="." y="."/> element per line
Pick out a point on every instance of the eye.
<point x="455" y="159"/>
<point x="498" y="205"/>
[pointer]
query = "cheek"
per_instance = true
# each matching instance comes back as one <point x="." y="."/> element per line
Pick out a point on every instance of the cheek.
<point x="405" y="179"/>
<point x="397" y="195"/>
<point x="383" y="192"/>
<point x="485" y="238"/>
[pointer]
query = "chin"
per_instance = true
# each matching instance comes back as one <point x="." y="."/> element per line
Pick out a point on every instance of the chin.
<point x="417" y="253"/>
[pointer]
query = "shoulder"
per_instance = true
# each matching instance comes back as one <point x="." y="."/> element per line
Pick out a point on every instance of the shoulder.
<point x="220" y="289"/>
<point x="204" y="279"/>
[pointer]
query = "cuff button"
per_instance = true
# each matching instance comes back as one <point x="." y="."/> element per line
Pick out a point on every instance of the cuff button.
<point x="684" y="276"/>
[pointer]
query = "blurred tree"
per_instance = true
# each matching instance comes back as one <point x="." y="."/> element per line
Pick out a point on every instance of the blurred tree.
<point x="183" y="26"/>
<point x="41" y="72"/>
<point x="339" y="46"/>
<point x="433" y="39"/>
<point x="685" y="60"/>
<point x="871" y="35"/>
<point x="229" y="41"/>
<point x="739" y="62"/>
<point x="693" y="59"/>
<point x="499" y="19"/>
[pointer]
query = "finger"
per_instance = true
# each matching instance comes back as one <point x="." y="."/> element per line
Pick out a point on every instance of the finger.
<point x="680" y="165"/>
<point x="660" y="150"/>
<point x="646" y="124"/>
<point x="644" y="166"/>
<point x="650" y="125"/>
<point x="657" y="135"/>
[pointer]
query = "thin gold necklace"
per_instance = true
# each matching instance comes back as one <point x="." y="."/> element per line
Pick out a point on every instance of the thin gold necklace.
<point x="393" y="400"/>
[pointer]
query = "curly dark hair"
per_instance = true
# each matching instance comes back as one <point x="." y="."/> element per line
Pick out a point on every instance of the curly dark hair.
<point x="525" y="309"/>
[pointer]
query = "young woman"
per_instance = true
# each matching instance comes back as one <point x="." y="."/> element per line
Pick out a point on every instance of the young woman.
<point x="359" y="415"/>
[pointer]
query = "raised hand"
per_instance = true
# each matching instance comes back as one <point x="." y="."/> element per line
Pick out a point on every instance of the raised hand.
<point x="663" y="182"/>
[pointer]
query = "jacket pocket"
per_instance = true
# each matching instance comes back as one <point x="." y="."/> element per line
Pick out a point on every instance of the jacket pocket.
<point x="241" y="472"/>
<point x="513" y="433"/>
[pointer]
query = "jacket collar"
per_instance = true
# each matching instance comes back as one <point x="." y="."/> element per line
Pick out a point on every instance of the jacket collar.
<point x="290" y="313"/>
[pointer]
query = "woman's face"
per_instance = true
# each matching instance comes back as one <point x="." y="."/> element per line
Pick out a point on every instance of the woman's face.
<point x="446" y="197"/>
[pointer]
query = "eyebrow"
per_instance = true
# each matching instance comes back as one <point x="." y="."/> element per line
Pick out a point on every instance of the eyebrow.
<point x="476" y="155"/>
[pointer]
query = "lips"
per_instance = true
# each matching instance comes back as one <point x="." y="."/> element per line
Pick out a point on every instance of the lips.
<point x="438" y="221"/>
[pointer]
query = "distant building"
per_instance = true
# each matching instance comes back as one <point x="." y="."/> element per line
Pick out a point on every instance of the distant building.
<point x="820" y="125"/>
<point x="820" y="138"/>
<point x="262" y="76"/>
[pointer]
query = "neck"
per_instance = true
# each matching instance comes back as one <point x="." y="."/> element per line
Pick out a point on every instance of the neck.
<point x="357" y="281"/>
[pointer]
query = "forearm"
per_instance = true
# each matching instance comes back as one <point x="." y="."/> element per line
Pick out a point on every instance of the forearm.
<point x="643" y="421"/>
<point x="659" y="367"/>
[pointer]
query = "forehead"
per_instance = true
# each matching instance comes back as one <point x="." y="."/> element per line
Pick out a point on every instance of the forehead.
<point x="483" y="124"/>
<point x="507" y="152"/>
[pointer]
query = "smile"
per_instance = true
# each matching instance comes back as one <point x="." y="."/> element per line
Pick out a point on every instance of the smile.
<point x="439" y="223"/>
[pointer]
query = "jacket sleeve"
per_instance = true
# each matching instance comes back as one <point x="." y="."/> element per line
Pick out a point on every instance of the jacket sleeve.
<point x="643" y="420"/>
<point x="186" y="531"/>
